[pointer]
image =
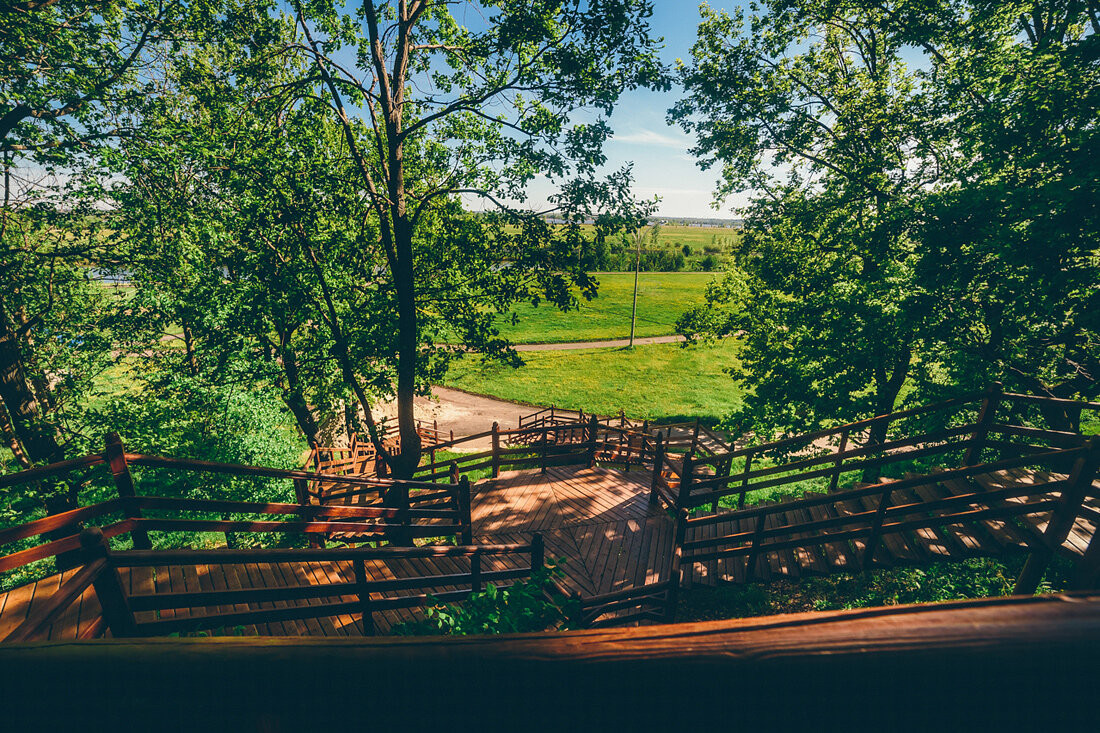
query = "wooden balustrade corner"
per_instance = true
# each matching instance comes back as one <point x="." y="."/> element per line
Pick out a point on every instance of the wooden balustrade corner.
<point x="496" y="450"/>
<point x="1080" y="480"/>
<point x="745" y="480"/>
<point x="868" y="560"/>
<point x="538" y="552"/>
<point x="593" y="432"/>
<point x="108" y="585"/>
<point x="986" y="417"/>
<point x="115" y="455"/>
<point x="687" y="476"/>
<point x="363" y="591"/>
<point x="834" y="480"/>
<point x="658" y="464"/>
<point x="464" y="503"/>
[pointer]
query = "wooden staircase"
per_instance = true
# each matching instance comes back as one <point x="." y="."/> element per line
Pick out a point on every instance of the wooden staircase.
<point x="989" y="526"/>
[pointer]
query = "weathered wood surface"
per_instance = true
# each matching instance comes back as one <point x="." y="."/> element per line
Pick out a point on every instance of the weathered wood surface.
<point x="1014" y="664"/>
<point x="980" y="537"/>
<point x="599" y="521"/>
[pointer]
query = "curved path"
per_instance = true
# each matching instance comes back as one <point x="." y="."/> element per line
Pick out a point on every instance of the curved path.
<point x="467" y="414"/>
<point x="609" y="344"/>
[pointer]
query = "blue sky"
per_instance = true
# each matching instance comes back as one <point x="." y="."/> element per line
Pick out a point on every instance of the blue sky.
<point x="663" y="167"/>
<point x="662" y="164"/>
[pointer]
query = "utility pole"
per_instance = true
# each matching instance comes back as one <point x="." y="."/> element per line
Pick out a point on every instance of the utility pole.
<point x="634" y="305"/>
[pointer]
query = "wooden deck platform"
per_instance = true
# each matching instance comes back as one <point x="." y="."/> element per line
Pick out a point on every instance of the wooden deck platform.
<point x="994" y="537"/>
<point x="598" y="521"/>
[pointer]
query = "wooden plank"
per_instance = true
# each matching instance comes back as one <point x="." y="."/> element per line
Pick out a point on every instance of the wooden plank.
<point x="895" y="543"/>
<point x="236" y="577"/>
<point x="66" y="625"/>
<point x="222" y="577"/>
<point x="838" y="554"/>
<point x="846" y="508"/>
<point x="992" y="536"/>
<point x="960" y="538"/>
<point x="933" y="542"/>
<point x="808" y="558"/>
<point x="289" y="577"/>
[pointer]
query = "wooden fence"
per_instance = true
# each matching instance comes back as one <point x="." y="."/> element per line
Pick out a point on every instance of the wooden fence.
<point x="975" y="434"/>
<point x="363" y="597"/>
<point x="137" y="515"/>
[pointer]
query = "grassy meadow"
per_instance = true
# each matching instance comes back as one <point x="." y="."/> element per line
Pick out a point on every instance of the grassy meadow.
<point x="662" y="298"/>
<point x="663" y="382"/>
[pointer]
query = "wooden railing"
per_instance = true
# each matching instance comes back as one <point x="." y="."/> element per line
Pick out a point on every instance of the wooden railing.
<point x="964" y="429"/>
<point x="364" y="597"/>
<point x="435" y="510"/>
<point x="360" y="457"/>
<point x="888" y="515"/>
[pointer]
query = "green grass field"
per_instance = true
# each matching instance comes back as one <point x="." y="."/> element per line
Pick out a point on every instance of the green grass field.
<point x="672" y="235"/>
<point x="659" y="382"/>
<point x="662" y="298"/>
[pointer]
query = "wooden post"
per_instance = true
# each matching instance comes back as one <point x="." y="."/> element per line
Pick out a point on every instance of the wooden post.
<point x="658" y="463"/>
<point x="868" y="558"/>
<point x="454" y="472"/>
<point x="475" y="571"/>
<point x="1065" y="514"/>
<point x="108" y="586"/>
<point x="686" y="476"/>
<point x="115" y="454"/>
<point x="301" y="491"/>
<point x="301" y="495"/>
<point x="744" y="480"/>
<point x="1087" y="573"/>
<point x="538" y="552"/>
<point x="364" y="597"/>
<point x="593" y="428"/>
<point x="985" y="419"/>
<point x="835" y="480"/>
<point x="676" y="572"/>
<point x="464" y="507"/>
<point x="496" y="457"/>
<point x="757" y="539"/>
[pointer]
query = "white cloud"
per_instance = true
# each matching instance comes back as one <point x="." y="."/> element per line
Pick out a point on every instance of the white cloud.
<point x="651" y="137"/>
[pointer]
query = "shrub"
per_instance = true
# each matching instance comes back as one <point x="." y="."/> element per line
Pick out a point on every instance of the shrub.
<point x="532" y="605"/>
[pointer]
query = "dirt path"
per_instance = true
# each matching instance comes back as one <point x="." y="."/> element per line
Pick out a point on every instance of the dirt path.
<point x="611" y="344"/>
<point x="465" y="413"/>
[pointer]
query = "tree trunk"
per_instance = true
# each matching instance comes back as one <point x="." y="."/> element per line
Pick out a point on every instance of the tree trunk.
<point x="39" y="441"/>
<point x="887" y="389"/>
<point x="292" y="393"/>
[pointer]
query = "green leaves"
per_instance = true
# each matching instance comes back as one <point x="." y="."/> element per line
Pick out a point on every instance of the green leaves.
<point x="531" y="605"/>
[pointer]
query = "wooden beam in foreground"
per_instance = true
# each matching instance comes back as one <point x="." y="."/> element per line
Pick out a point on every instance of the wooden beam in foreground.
<point x="1022" y="663"/>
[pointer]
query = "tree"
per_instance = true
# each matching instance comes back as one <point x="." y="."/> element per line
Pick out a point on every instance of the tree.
<point x="809" y="105"/>
<point x="1010" y="242"/>
<point x="66" y="70"/>
<point x="491" y="103"/>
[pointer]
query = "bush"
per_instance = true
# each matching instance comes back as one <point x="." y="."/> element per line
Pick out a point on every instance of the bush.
<point x="532" y="605"/>
<point x="709" y="263"/>
<point x="687" y="250"/>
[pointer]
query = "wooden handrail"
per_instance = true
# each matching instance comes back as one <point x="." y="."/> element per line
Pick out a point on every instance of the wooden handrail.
<point x="55" y="522"/>
<point x="192" y="464"/>
<point x="149" y="558"/>
<point x="54" y="469"/>
<point x="874" y="489"/>
<point x="45" y="613"/>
